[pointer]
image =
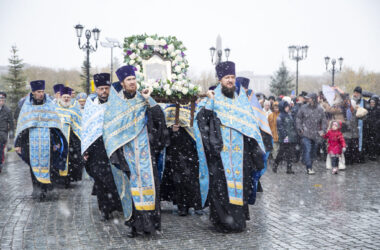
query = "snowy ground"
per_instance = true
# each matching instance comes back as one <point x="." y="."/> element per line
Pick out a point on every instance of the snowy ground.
<point x="295" y="211"/>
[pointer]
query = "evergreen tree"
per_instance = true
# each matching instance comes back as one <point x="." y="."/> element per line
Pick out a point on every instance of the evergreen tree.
<point x="281" y="82"/>
<point x="16" y="80"/>
<point x="83" y="76"/>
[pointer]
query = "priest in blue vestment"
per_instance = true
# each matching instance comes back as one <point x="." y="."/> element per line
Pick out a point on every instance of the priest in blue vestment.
<point x="97" y="163"/>
<point x="40" y="140"/>
<point x="71" y="119"/>
<point x="134" y="134"/>
<point x="230" y="144"/>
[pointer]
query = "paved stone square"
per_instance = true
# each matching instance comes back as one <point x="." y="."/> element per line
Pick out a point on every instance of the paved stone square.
<point x="298" y="211"/>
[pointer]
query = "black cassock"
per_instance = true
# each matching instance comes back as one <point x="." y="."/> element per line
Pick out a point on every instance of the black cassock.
<point x="180" y="181"/>
<point x="57" y="159"/>
<point x="75" y="159"/>
<point x="226" y="217"/>
<point x="99" y="168"/>
<point x="148" y="221"/>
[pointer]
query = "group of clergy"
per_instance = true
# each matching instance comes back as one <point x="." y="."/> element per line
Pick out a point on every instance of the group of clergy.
<point x="137" y="155"/>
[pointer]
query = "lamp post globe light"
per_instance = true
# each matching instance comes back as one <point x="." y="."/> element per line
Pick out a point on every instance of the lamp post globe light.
<point x="333" y="70"/>
<point x="297" y="53"/>
<point x="216" y="59"/>
<point x="87" y="47"/>
<point x="111" y="43"/>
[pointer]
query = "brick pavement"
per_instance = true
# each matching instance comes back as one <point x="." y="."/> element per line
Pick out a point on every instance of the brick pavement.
<point x="294" y="212"/>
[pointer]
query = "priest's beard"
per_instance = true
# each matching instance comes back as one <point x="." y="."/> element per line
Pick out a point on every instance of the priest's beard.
<point x="229" y="92"/>
<point x="65" y="104"/>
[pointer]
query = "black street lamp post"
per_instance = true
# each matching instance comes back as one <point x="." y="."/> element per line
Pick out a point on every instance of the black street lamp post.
<point x="87" y="47"/>
<point x="297" y="53"/>
<point x="219" y="55"/>
<point x="333" y="70"/>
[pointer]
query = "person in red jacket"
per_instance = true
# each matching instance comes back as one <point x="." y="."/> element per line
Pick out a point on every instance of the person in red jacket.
<point x="336" y="144"/>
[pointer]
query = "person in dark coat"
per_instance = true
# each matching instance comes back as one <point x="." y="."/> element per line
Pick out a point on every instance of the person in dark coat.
<point x="360" y="102"/>
<point x="6" y="126"/>
<point x="287" y="137"/>
<point x="373" y="126"/>
<point x="311" y="124"/>
<point x="97" y="164"/>
<point x="180" y="183"/>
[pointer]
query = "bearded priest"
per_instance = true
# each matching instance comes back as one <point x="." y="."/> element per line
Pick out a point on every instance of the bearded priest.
<point x="71" y="119"/>
<point x="134" y="134"/>
<point x="229" y="143"/>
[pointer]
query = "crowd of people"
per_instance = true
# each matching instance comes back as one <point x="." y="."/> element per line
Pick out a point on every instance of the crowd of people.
<point x="343" y="132"/>
<point x="137" y="155"/>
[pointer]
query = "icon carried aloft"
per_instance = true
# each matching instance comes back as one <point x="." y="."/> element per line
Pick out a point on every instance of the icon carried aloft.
<point x="161" y="65"/>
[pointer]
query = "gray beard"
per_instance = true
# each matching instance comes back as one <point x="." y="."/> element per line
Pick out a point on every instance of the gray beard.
<point x="64" y="104"/>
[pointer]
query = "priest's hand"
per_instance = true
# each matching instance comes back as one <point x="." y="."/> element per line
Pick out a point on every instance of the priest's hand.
<point x="86" y="156"/>
<point x="210" y="94"/>
<point x="175" y="128"/>
<point x="146" y="93"/>
<point x="18" y="150"/>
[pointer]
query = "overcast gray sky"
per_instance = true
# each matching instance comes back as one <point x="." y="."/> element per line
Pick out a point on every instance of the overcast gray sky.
<point x="258" y="32"/>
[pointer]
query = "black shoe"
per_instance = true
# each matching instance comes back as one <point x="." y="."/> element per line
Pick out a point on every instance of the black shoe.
<point x="275" y="168"/>
<point x="42" y="196"/>
<point x="289" y="170"/>
<point x="183" y="211"/>
<point x="132" y="233"/>
<point x="105" y="216"/>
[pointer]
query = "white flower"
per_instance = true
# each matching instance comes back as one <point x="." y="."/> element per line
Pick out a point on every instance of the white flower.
<point x="132" y="56"/>
<point x="162" y="42"/>
<point x="131" y="62"/>
<point x="149" y="41"/>
<point x="179" y="58"/>
<point x="140" y="45"/>
<point x="174" y="76"/>
<point x="137" y="85"/>
<point x="150" y="89"/>
<point x="178" y="52"/>
<point x="168" y="92"/>
<point x="170" y="48"/>
<point x="182" y="65"/>
<point x="132" y="46"/>
<point x="176" y="69"/>
<point x="163" y="51"/>
<point x="180" y="76"/>
<point x="185" y="91"/>
<point x="174" y="63"/>
<point x="138" y="59"/>
<point x="181" y="47"/>
<point x="173" y="54"/>
<point x="166" y="86"/>
<point x="156" y="42"/>
<point x="156" y="85"/>
<point x="138" y="67"/>
<point x="191" y="86"/>
<point x="200" y="88"/>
